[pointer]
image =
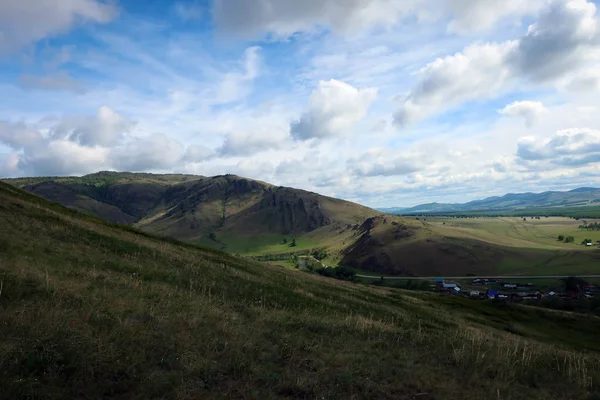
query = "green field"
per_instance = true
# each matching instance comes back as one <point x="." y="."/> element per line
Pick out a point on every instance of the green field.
<point x="514" y="231"/>
<point x="581" y="212"/>
<point x="526" y="246"/>
<point x="93" y="310"/>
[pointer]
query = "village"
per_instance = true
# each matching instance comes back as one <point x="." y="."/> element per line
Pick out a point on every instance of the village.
<point x="572" y="288"/>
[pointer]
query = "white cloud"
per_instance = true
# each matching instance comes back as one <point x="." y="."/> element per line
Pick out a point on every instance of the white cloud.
<point x="106" y="128"/>
<point x="530" y="111"/>
<point x="18" y="134"/>
<point x="198" y="153"/>
<point x="477" y="72"/>
<point x="247" y="143"/>
<point x="253" y="169"/>
<point x="237" y="85"/>
<point x="286" y="17"/>
<point x="25" y="22"/>
<point x="562" y="42"/>
<point x="568" y="147"/>
<point x="476" y="15"/>
<point x="149" y="153"/>
<point x="585" y="81"/>
<point x="378" y="162"/>
<point x="62" y="157"/>
<point x="334" y="108"/>
<point x="80" y="145"/>
<point x="562" y="39"/>
<point x="9" y="165"/>
<point x="283" y="18"/>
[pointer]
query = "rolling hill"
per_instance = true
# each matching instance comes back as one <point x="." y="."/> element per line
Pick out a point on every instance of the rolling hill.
<point x="396" y="245"/>
<point x="91" y="310"/>
<point x="510" y="202"/>
<point x="226" y="212"/>
<point x="253" y="218"/>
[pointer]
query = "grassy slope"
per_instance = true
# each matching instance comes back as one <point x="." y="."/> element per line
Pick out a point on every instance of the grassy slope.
<point x="191" y="323"/>
<point x="472" y="246"/>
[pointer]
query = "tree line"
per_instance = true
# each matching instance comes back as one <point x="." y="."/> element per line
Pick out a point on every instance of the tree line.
<point x="594" y="226"/>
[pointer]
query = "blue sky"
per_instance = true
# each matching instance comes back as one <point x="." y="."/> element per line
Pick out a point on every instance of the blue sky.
<point x="384" y="102"/>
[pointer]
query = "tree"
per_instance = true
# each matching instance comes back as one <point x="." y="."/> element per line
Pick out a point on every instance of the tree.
<point x="569" y="239"/>
<point x="212" y="236"/>
<point x="561" y="238"/>
<point x="320" y="254"/>
<point x="293" y="244"/>
<point x="284" y="241"/>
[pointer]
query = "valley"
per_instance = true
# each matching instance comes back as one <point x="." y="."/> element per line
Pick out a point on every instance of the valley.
<point x="91" y="309"/>
<point x="264" y="222"/>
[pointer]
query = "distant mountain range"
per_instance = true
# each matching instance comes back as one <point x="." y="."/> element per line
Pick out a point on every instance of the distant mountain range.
<point x="585" y="196"/>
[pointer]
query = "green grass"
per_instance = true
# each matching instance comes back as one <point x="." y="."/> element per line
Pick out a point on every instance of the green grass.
<point x="572" y="211"/>
<point x="91" y="310"/>
<point x="515" y="232"/>
<point x="266" y="244"/>
<point x="536" y="250"/>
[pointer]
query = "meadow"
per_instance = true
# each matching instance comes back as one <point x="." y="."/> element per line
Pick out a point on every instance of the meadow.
<point x="498" y="245"/>
<point x="518" y="232"/>
<point x="93" y="310"/>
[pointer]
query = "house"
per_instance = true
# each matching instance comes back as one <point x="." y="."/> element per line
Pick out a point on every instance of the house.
<point x="492" y="294"/>
<point x="476" y="281"/>
<point x="439" y="280"/>
<point x="588" y="244"/>
<point x="510" y="285"/>
<point x="590" y="288"/>
<point x="474" y="293"/>
<point x="449" y="285"/>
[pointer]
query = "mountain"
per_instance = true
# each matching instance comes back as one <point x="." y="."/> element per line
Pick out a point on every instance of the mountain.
<point x="93" y="310"/>
<point x="584" y="196"/>
<point x="227" y="212"/>
<point x="254" y="218"/>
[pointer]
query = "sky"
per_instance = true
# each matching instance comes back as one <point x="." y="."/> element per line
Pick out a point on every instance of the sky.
<point x="383" y="102"/>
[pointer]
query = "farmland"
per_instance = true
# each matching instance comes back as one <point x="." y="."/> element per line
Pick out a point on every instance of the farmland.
<point x="516" y="231"/>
